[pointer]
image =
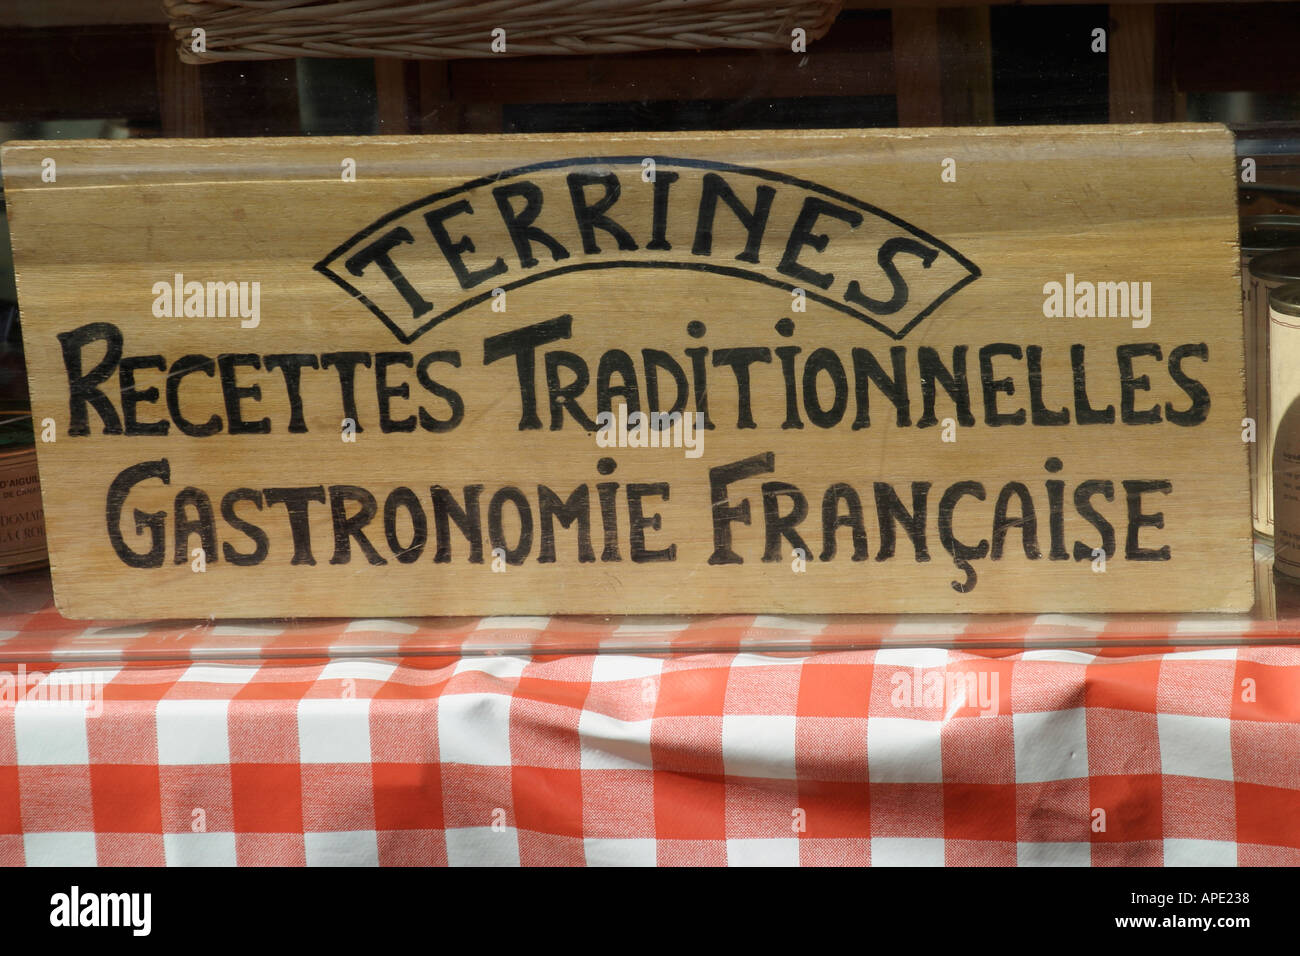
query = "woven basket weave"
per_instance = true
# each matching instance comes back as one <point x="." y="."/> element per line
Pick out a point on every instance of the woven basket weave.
<point x="447" y="29"/>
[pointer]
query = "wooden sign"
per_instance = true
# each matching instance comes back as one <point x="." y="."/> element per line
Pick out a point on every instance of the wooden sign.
<point x="830" y="371"/>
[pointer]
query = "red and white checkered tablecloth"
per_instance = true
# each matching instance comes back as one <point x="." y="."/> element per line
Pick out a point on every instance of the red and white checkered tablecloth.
<point x="899" y="755"/>
<point x="960" y="740"/>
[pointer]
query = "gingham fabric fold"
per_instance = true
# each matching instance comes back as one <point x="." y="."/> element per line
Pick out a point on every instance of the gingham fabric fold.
<point x="908" y="755"/>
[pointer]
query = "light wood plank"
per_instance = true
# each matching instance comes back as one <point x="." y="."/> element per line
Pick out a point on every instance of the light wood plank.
<point x="952" y="274"/>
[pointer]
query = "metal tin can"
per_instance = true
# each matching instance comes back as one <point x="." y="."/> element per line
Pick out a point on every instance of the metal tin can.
<point x="1284" y="373"/>
<point x="1267" y="272"/>
<point x="1264" y="234"/>
<point x="22" y="520"/>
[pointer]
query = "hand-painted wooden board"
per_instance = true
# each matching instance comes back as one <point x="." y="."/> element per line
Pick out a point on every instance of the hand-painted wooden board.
<point x="903" y="370"/>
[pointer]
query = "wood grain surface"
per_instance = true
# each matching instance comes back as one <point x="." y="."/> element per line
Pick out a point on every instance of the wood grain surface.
<point x="908" y="404"/>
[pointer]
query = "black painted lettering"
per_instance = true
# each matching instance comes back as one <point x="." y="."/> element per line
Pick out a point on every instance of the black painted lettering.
<point x="654" y="360"/>
<point x="520" y="224"/>
<point x="992" y="387"/>
<point x="83" y="387"/>
<point x="739" y="360"/>
<point x="234" y="394"/>
<point x="446" y="510"/>
<point x="616" y="362"/>
<point x="825" y="360"/>
<point x="638" y="522"/>
<point x="1084" y="413"/>
<point x="962" y="554"/>
<point x="523" y="343"/>
<point x="1129" y="384"/>
<point x="349" y="527"/>
<point x="133" y="396"/>
<point x="1026" y="521"/>
<point x="1198" y="393"/>
<point x="385" y="393"/>
<point x="754" y="221"/>
<point x="550" y="508"/>
<point x="562" y="397"/>
<point x="1133" y="492"/>
<point x="889" y="250"/>
<point x="700" y="380"/>
<point x="296" y="502"/>
<point x="608" y="493"/>
<point x="183" y="366"/>
<point x="867" y="369"/>
<point x="202" y="523"/>
<point x="1039" y="413"/>
<point x="454" y="252"/>
<point x="291" y="366"/>
<point x="380" y="253"/>
<point x="496" y="524"/>
<point x="786" y="354"/>
<point x="345" y="363"/>
<point x="455" y="404"/>
<point x="777" y="526"/>
<point x="953" y="382"/>
<point x="155" y="523"/>
<point x="890" y="510"/>
<point x="659" y="223"/>
<point x="261" y="544"/>
<point x="720" y="478"/>
<point x="803" y="235"/>
<point x="403" y="498"/>
<point x="832" y="521"/>
<point x="591" y="216"/>
<point x="1083" y="495"/>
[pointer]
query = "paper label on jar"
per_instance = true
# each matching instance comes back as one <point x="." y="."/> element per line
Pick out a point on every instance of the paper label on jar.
<point x="1284" y="333"/>
<point x="1257" y="398"/>
<point x="22" y="521"/>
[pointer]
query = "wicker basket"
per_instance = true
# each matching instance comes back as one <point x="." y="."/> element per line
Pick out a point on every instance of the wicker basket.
<point x="446" y="29"/>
